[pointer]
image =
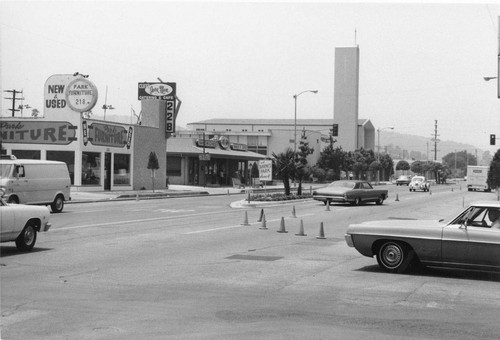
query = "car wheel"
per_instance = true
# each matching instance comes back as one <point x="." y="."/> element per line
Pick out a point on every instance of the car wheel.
<point x="357" y="201"/>
<point x="26" y="240"/>
<point x="58" y="204"/>
<point x="13" y="200"/>
<point x="380" y="200"/>
<point x="394" y="257"/>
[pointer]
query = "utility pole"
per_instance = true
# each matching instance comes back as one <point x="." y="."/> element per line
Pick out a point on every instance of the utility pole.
<point x="435" y="139"/>
<point x="14" y="92"/>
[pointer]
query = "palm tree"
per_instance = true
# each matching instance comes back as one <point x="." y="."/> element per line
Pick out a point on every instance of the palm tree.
<point x="285" y="167"/>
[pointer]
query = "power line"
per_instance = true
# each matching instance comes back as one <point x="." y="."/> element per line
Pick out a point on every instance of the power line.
<point x="14" y="92"/>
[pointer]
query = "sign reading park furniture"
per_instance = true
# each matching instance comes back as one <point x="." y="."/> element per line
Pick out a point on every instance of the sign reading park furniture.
<point x="158" y="91"/>
<point x="265" y="170"/>
<point x="37" y="132"/>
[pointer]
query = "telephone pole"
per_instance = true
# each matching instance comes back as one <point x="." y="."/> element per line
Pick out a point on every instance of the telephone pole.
<point x="435" y="139"/>
<point x="14" y="92"/>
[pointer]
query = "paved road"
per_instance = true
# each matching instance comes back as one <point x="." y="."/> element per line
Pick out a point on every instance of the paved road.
<point x="187" y="268"/>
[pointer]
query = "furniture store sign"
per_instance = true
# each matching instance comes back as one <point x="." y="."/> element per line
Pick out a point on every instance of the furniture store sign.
<point x="70" y="93"/>
<point x="37" y="132"/>
<point x="106" y="135"/>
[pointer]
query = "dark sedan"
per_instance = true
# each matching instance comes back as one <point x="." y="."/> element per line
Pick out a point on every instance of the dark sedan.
<point x="470" y="240"/>
<point x="353" y="192"/>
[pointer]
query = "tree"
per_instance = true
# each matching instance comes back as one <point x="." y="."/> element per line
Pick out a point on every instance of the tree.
<point x="387" y="166"/>
<point x="459" y="160"/>
<point x="417" y="167"/>
<point x="285" y="167"/>
<point x="403" y="165"/>
<point x="153" y="165"/>
<point x="493" y="179"/>
<point x="254" y="172"/>
<point x="301" y="169"/>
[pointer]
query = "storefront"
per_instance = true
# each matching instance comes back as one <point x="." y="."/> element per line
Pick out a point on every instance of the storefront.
<point x="100" y="155"/>
<point x="208" y="161"/>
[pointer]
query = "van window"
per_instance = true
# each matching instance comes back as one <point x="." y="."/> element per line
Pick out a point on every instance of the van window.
<point x="18" y="171"/>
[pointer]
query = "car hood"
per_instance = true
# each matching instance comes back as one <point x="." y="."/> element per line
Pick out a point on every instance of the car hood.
<point x="393" y="226"/>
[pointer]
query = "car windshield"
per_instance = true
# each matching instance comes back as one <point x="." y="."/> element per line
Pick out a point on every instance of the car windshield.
<point x="342" y="184"/>
<point x="418" y="179"/>
<point x="5" y="170"/>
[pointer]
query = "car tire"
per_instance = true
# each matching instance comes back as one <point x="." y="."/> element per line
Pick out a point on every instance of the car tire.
<point x="27" y="239"/>
<point x="380" y="200"/>
<point x="13" y="200"/>
<point x="58" y="205"/>
<point x="394" y="257"/>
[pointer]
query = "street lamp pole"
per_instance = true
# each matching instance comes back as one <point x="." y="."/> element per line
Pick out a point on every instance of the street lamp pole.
<point x="295" y="119"/>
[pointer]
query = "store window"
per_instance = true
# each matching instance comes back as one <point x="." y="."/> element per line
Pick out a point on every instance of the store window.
<point x="121" y="173"/>
<point x="174" y="166"/>
<point x="67" y="157"/>
<point x="26" y="154"/>
<point x="91" y="168"/>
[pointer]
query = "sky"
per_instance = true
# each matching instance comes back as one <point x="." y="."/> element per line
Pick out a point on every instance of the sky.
<point x="419" y="61"/>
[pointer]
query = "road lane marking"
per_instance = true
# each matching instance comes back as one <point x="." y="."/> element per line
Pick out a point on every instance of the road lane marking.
<point x="238" y="226"/>
<point x="134" y="221"/>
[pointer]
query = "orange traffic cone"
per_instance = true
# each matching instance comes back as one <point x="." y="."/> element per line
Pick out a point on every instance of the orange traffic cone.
<point x="301" y="231"/>
<point x="327" y="205"/>
<point x="397" y="198"/>
<point x="263" y="222"/>
<point x="282" y="226"/>
<point x="293" y="212"/>
<point x="245" y="220"/>
<point x="261" y="215"/>
<point x="321" y="235"/>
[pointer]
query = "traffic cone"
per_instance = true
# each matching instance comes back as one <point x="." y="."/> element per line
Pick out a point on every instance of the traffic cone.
<point x="263" y="223"/>
<point x="327" y="205"/>
<point x="451" y="189"/>
<point x="282" y="226"/>
<point x="301" y="231"/>
<point x="137" y="196"/>
<point x="397" y="197"/>
<point x="293" y="212"/>
<point x="321" y="235"/>
<point x="245" y="220"/>
<point x="261" y="215"/>
<point x="430" y="192"/>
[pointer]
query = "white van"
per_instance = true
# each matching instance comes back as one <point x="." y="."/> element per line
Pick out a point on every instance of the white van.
<point x="29" y="181"/>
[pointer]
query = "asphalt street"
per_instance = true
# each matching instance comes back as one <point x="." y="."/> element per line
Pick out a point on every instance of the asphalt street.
<point x="191" y="268"/>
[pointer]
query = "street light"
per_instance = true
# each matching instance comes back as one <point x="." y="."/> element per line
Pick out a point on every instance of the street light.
<point x="295" y="120"/>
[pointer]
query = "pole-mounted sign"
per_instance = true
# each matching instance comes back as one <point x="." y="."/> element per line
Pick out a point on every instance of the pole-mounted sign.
<point x="158" y="91"/>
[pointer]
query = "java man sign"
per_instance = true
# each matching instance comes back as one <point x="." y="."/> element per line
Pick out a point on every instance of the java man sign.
<point x="37" y="132"/>
<point x="159" y="91"/>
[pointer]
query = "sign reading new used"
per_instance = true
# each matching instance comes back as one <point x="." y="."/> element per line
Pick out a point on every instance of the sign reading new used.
<point x="158" y="91"/>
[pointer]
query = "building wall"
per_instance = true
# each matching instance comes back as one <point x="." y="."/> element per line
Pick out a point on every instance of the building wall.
<point x="345" y="96"/>
<point x="149" y="139"/>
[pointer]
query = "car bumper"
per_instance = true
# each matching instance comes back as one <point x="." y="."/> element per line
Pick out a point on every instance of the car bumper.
<point x="348" y="240"/>
<point x="341" y="199"/>
<point x="47" y="226"/>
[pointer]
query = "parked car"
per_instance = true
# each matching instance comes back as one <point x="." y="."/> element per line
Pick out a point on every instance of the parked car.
<point x="403" y="180"/>
<point x="470" y="240"/>
<point x="348" y="191"/>
<point x="20" y="223"/>
<point x="419" y="183"/>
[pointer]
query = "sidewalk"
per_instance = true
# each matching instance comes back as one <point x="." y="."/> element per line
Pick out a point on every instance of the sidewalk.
<point x="172" y="191"/>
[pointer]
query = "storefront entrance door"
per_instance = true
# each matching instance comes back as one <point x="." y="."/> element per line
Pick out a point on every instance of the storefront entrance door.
<point x="107" y="171"/>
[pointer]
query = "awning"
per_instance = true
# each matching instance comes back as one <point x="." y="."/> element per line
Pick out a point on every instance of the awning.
<point x="184" y="146"/>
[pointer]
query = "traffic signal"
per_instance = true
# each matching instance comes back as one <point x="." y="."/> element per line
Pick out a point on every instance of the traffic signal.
<point x="335" y="130"/>
<point x="492" y="139"/>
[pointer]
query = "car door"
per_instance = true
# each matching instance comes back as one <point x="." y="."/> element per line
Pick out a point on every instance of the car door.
<point x="7" y="221"/>
<point x="470" y="240"/>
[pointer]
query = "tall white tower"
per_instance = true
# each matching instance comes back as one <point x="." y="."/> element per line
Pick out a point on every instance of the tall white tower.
<point x="345" y="98"/>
